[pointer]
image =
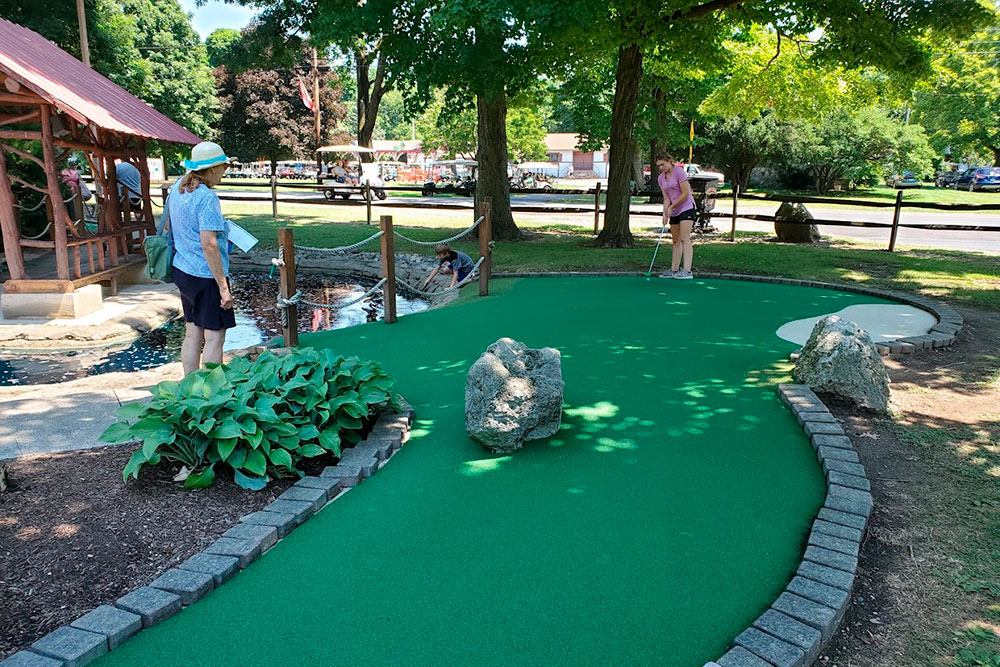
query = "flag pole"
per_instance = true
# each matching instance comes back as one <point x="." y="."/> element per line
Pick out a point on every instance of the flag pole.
<point x="691" y="145"/>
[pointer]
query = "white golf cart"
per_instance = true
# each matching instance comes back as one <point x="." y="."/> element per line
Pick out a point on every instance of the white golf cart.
<point x="332" y="188"/>
<point x="449" y="176"/>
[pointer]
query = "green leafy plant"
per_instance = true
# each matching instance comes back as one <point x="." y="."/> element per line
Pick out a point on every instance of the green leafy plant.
<point x="260" y="418"/>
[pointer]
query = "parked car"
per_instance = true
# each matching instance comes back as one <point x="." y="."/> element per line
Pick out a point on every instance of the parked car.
<point x="979" y="179"/>
<point x="905" y="180"/>
<point x="946" y="179"/>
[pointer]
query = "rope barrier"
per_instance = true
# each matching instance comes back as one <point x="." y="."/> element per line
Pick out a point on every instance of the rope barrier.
<point x="465" y="281"/>
<point x="341" y="249"/>
<point x="40" y="235"/>
<point x="37" y="206"/>
<point x="447" y="240"/>
<point x="297" y="300"/>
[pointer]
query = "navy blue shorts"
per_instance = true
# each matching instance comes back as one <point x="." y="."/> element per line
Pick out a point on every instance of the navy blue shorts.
<point x="200" y="298"/>
<point x="464" y="273"/>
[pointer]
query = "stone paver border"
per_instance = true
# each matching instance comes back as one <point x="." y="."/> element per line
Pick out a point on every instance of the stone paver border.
<point x="87" y="638"/>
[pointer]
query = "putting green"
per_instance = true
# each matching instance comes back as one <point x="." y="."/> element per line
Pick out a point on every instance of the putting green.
<point x="667" y="514"/>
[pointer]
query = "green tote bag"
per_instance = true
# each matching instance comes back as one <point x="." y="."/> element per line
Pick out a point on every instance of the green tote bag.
<point x="160" y="249"/>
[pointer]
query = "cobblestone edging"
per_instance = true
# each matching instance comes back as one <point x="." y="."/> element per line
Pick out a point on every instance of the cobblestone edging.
<point x="101" y="630"/>
<point x="804" y="617"/>
<point x="941" y="334"/>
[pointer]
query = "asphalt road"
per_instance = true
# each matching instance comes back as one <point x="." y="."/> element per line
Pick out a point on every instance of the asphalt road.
<point x="978" y="241"/>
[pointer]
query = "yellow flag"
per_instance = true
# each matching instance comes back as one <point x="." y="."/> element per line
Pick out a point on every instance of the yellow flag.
<point x="692" y="130"/>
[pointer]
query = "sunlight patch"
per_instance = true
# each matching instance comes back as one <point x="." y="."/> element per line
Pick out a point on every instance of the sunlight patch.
<point x="483" y="466"/>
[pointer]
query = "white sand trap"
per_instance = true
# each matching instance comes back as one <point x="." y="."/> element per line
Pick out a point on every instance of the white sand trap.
<point x="882" y="322"/>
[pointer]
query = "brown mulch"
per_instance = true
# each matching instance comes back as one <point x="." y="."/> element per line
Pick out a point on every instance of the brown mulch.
<point x="903" y="612"/>
<point x="74" y="536"/>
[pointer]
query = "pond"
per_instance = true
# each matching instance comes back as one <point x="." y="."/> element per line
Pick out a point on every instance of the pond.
<point x="257" y="321"/>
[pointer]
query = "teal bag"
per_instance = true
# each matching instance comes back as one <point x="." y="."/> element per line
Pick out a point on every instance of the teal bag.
<point x="160" y="249"/>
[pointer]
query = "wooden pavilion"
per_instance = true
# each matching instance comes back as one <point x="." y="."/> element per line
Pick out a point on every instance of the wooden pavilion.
<point x="50" y="99"/>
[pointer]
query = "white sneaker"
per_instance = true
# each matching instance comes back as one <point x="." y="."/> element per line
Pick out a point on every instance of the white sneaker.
<point x="668" y="274"/>
<point x="683" y="275"/>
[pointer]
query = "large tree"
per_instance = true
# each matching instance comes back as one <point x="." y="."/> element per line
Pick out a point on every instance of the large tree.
<point x="854" y="32"/>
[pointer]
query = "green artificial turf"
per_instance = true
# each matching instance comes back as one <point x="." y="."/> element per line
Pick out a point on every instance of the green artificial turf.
<point x="670" y="510"/>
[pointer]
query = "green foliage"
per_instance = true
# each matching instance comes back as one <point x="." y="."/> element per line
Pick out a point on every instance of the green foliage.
<point x="738" y="145"/>
<point x="219" y="45"/>
<point x="259" y="418"/>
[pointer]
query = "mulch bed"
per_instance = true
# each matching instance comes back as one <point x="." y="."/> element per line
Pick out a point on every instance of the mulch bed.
<point x="74" y="536"/>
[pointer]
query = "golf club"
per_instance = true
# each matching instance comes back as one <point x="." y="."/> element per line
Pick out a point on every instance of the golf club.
<point x="656" y="250"/>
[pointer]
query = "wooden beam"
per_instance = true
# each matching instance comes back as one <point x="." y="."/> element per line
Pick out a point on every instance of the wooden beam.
<point x="26" y="156"/>
<point x="147" y="201"/>
<point x="28" y="185"/>
<point x="22" y="286"/>
<point x="23" y="118"/>
<point x="21" y="135"/>
<point x="96" y="149"/>
<point x="8" y="225"/>
<point x="60" y="218"/>
<point x="27" y="100"/>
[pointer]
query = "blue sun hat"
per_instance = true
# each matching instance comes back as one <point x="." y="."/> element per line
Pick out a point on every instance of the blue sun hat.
<point x="204" y="155"/>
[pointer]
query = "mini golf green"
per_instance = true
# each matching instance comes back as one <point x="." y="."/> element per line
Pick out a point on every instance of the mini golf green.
<point x="667" y="514"/>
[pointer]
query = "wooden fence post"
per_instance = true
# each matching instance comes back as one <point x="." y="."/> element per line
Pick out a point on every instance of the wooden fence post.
<point x="164" y="191"/>
<point x="389" y="269"/>
<point x="597" y="207"/>
<point x="736" y="199"/>
<point x="274" y="196"/>
<point x="368" y="199"/>
<point x="485" y="236"/>
<point x="286" y="283"/>
<point x="895" y="220"/>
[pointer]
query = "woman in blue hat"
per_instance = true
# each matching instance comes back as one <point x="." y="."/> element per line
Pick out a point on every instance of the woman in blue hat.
<point x="201" y="256"/>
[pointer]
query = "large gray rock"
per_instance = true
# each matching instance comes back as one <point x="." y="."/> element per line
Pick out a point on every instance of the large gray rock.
<point x="841" y="359"/>
<point x="793" y="224"/>
<point x="513" y="394"/>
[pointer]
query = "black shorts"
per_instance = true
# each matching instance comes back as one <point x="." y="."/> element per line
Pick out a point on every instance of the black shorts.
<point x="200" y="298"/>
<point x="464" y="273"/>
<point x="690" y="214"/>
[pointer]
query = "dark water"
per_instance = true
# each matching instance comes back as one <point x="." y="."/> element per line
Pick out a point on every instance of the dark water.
<point x="257" y="320"/>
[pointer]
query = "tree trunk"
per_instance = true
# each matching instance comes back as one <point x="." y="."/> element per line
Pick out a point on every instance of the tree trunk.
<point x="274" y="167"/>
<point x="616" y="232"/>
<point x="653" y="189"/>
<point x="491" y="153"/>
<point x="996" y="155"/>
<point x="370" y="94"/>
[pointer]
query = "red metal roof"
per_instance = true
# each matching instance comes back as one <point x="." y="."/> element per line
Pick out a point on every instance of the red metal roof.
<point x="79" y="91"/>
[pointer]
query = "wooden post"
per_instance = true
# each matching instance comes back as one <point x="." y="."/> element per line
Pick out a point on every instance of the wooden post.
<point x="78" y="209"/>
<point x="895" y="220"/>
<point x="389" y="269"/>
<point x="736" y="199"/>
<point x="597" y="207"/>
<point x="8" y="225"/>
<point x="81" y="17"/>
<point x="145" y="191"/>
<point x="286" y="283"/>
<point x="368" y="199"/>
<point x="60" y="219"/>
<point x="485" y="236"/>
<point x="164" y="191"/>
<point x="274" y="195"/>
<point x="112" y="201"/>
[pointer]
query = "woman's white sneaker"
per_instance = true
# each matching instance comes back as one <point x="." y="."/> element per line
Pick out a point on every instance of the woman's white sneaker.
<point x="683" y="275"/>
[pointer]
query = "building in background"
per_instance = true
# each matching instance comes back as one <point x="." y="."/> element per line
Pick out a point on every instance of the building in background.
<point x="562" y="148"/>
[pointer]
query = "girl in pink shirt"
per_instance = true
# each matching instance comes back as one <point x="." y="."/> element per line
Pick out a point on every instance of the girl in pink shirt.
<point x="679" y="212"/>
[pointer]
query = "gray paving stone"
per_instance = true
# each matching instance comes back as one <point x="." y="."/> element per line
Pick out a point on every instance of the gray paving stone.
<point x="826" y="575"/>
<point x="790" y="631"/>
<point x="244" y="550"/>
<point x="814" y="416"/>
<point x="836" y="453"/>
<point x="304" y="494"/>
<point x="191" y="586"/>
<point x="849" y="493"/>
<point x="813" y="428"/>
<point x="906" y="347"/>
<point x="837" y="530"/>
<point x="329" y="485"/>
<point x="847" y="467"/>
<point x="152" y="604"/>
<point x="847" y="505"/>
<point x="73" y="646"/>
<point x="811" y="613"/>
<point x="299" y="509"/>
<point x="364" y="461"/>
<point x="824" y="541"/>
<point x="772" y="649"/>
<point x="222" y="568"/>
<point x="835" y="598"/>
<point x="117" y="625"/>
<point x="834" y="559"/>
<point x="843" y="518"/>
<point x="830" y="440"/>
<point x="267" y="536"/>
<point x="285" y="523"/>
<point x="850" y="481"/>
<point x="802" y="402"/>
<point x="29" y="659"/>
<point x="348" y="476"/>
<point x="740" y="657"/>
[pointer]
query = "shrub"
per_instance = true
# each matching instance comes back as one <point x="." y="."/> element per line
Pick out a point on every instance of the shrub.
<point x="260" y="418"/>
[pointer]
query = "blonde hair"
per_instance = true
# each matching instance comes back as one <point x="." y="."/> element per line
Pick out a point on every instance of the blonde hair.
<point x="442" y="249"/>
<point x="191" y="180"/>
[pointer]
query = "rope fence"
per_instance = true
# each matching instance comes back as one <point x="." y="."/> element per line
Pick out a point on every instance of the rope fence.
<point x="447" y="240"/>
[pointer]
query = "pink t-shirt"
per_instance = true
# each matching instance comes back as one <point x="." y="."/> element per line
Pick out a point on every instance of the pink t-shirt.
<point x="671" y="187"/>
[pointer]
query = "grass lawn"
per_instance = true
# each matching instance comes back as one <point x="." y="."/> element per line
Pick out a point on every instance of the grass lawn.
<point x="963" y="277"/>
<point x="881" y="193"/>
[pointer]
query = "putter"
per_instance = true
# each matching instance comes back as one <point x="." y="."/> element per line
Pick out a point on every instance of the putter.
<point x="655" y="250"/>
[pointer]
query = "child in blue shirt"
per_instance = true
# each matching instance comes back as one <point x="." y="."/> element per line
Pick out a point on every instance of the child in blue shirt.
<point x="452" y="263"/>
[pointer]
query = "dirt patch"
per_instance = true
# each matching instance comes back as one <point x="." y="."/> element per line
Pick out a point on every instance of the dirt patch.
<point x="928" y="586"/>
<point x="74" y="536"/>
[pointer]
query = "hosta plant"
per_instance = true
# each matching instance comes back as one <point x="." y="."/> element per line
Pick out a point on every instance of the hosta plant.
<point x="260" y="418"/>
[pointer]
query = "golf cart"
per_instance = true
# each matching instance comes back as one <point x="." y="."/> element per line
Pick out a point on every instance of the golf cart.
<point x="449" y="176"/>
<point x="333" y="188"/>
<point x="531" y="175"/>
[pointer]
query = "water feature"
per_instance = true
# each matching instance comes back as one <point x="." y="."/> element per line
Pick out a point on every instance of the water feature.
<point x="258" y="320"/>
